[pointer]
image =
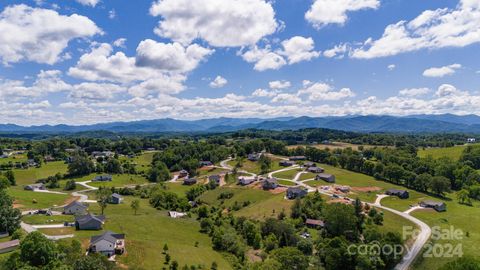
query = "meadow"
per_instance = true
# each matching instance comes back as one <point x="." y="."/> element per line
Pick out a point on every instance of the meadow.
<point x="454" y="152"/>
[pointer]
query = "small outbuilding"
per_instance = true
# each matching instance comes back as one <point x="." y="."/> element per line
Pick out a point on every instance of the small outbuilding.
<point x="116" y="198"/>
<point x="314" y="223"/>
<point x="286" y="163"/>
<point x="315" y="170"/>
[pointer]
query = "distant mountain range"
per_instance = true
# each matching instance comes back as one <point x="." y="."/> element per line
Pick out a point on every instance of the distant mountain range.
<point x="409" y="124"/>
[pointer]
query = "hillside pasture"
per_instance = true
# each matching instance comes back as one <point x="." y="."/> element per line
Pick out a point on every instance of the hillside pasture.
<point x="454" y="152"/>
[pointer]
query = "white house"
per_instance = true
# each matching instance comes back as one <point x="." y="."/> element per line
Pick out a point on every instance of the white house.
<point x="108" y="244"/>
<point x="175" y="214"/>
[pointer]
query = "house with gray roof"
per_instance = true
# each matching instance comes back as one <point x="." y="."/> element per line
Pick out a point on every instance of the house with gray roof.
<point x="437" y="205"/>
<point x="315" y="169"/>
<point x="329" y="178"/>
<point x="108" y="244"/>
<point x="270" y="183"/>
<point x="246" y="180"/>
<point x="296" y="192"/>
<point x="89" y="222"/>
<point x="33" y="187"/>
<point x="190" y="181"/>
<point x="75" y="208"/>
<point x="102" y="178"/>
<point x="402" y="194"/>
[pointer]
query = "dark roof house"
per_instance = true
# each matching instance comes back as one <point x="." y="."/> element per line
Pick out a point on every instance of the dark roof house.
<point x="295" y="158"/>
<point x="296" y="192"/>
<point x="325" y="177"/>
<point x="182" y="173"/>
<point x="315" y="170"/>
<point x="33" y="187"/>
<point x="103" y="178"/>
<point x="310" y="164"/>
<point x="190" y="181"/>
<point x="270" y="183"/>
<point x="438" y="206"/>
<point x="205" y="163"/>
<point x="254" y="157"/>
<point x="215" y="178"/>
<point x="286" y="163"/>
<point x="89" y="222"/>
<point x="402" y="194"/>
<point x="75" y="208"/>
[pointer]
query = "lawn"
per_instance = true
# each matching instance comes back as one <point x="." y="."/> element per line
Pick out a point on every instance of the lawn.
<point x="254" y="167"/>
<point x="121" y="180"/>
<point x="144" y="243"/>
<point x="42" y="219"/>
<point x="143" y="160"/>
<point x="454" y="152"/>
<point x="290" y="174"/>
<point x="334" y="145"/>
<point x="210" y="171"/>
<point x="286" y="182"/>
<point x="306" y="176"/>
<point x="29" y="176"/>
<point x="177" y="188"/>
<point x="241" y="194"/>
<point x="465" y="218"/>
<point x="14" y="159"/>
<point x="24" y="199"/>
<point x="264" y="209"/>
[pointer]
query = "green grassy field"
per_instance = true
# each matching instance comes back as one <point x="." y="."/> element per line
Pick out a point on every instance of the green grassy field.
<point x="211" y="171"/>
<point x="452" y="152"/>
<point x="254" y="167"/>
<point x="144" y="243"/>
<point x="29" y="176"/>
<point x="465" y="218"/>
<point x="14" y="159"/>
<point x="290" y="174"/>
<point x="241" y="194"/>
<point x="42" y="219"/>
<point x="178" y="188"/>
<point x="267" y="208"/>
<point x="307" y="175"/>
<point x="286" y="183"/>
<point x="120" y="180"/>
<point x="25" y="199"/>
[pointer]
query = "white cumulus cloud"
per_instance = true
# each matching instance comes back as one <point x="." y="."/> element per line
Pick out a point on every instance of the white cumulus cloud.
<point x="324" y="12"/>
<point x="218" y="82"/>
<point x="441" y="71"/>
<point x="39" y="35"/>
<point x="221" y="23"/>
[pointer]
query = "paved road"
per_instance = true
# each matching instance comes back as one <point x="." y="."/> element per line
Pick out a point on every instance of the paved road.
<point x="83" y="197"/>
<point x="422" y="237"/>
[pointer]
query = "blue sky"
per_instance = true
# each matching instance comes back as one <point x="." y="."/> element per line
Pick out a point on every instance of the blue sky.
<point x="90" y="61"/>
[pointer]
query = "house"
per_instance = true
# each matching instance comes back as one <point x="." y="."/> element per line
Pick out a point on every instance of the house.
<point x="329" y="178"/>
<point x="108" y="244"/>
<point x="296" y="192"/>
<point x="31" y="163"/>
<point x="116" y="198"/>
<point x="254" y="157"/>
<point x="89" y="222"/>
<point x="315" y="170"/>
<point x="9" y="246"/>
<point x="48" y="158"/>
<point x="309" y="164"/>
<point x="102" y="178"/>
<point x="215" y="178"/>
<point x="296" y="158"/>
<point x="244" y="180"/>
<point x="75" y="208"/>
<point x="33" y="187"/>
<point x="438" y="206"/>
<point x="103" y="154"/>
<point x="402" y="194"/>
<point x="344" y="189"/>
<point x="205" y="163"/>
<point x="314" y="223"/>
<point x="46" y="212"/>
<point x="286" y="163"/>
<point x="182" y="173"/>
<point x="270" y="183"/>
<point x="471" y="140"/>
<point x="175" y="214"/>
<point x="190" y="181"/>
